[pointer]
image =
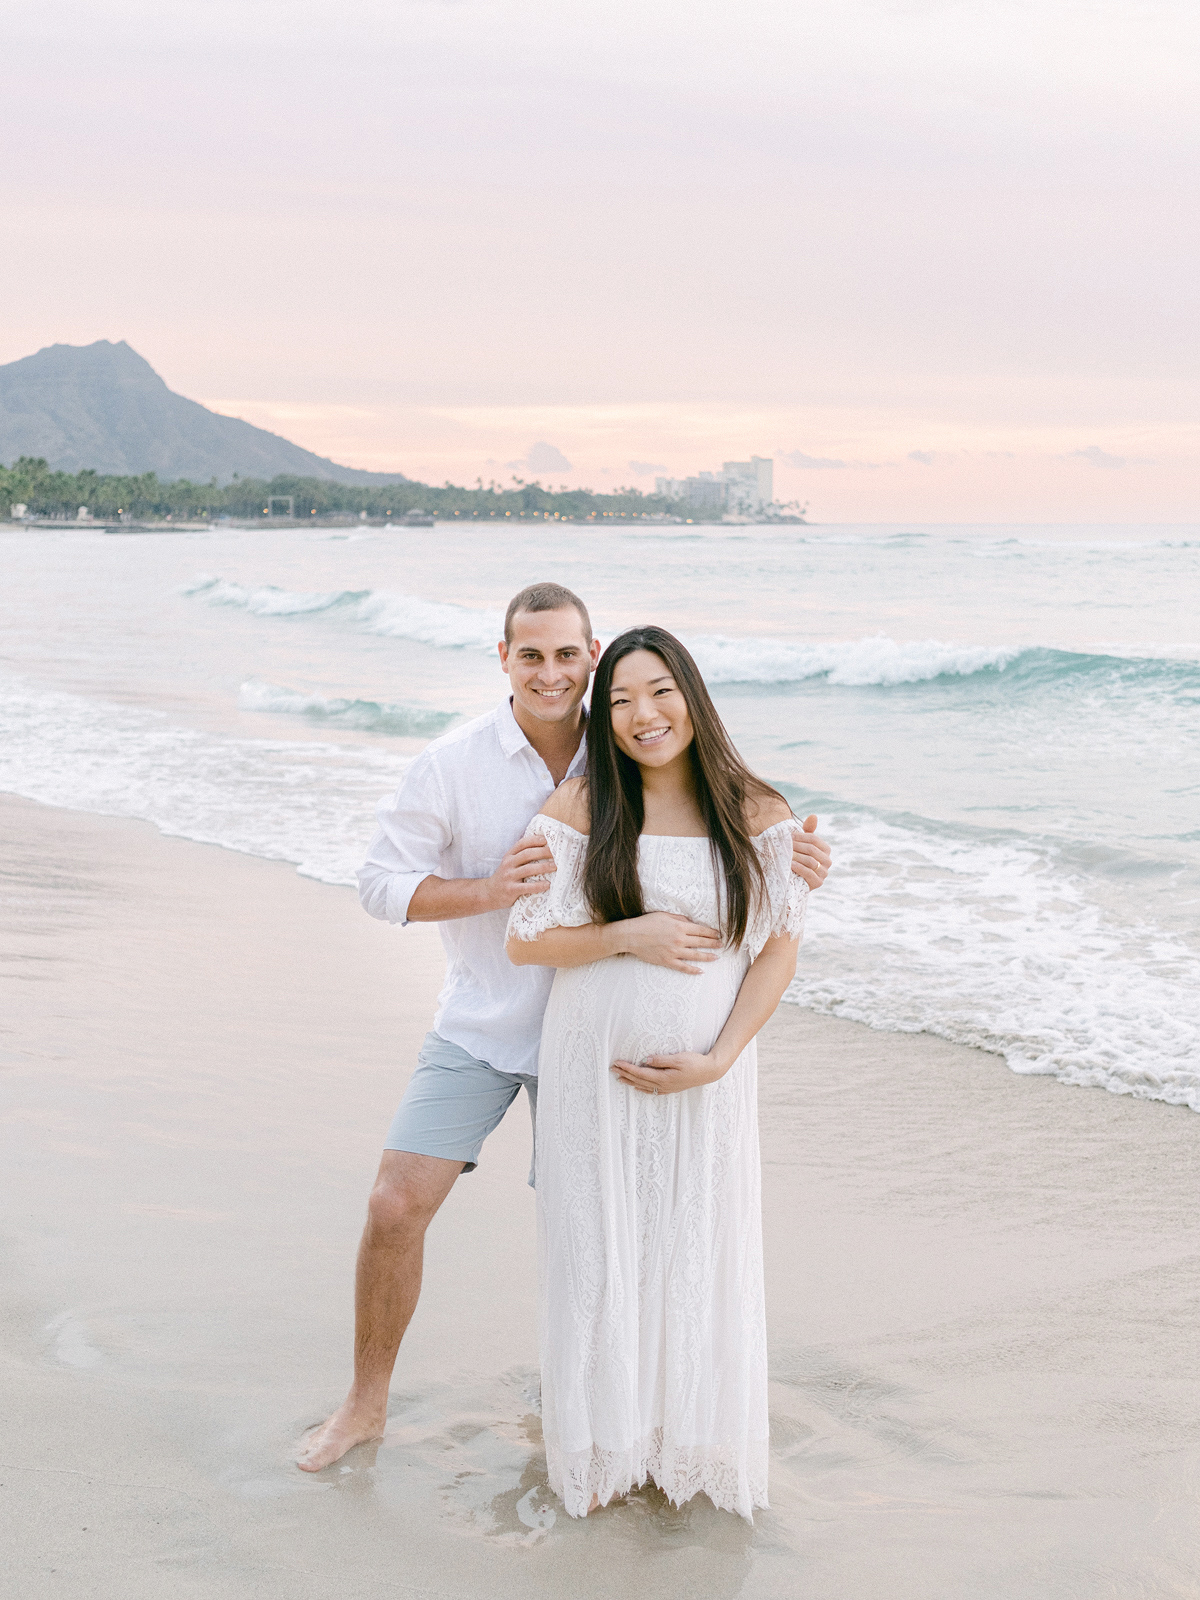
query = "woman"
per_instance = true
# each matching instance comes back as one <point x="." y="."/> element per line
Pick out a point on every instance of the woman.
<point x="652" y="1325"/>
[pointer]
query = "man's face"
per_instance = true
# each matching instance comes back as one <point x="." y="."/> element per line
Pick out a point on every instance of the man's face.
<point x="549" y="662"/>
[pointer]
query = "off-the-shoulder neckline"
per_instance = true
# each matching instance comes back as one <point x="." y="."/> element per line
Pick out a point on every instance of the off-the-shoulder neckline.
<point x="698" y="838"/>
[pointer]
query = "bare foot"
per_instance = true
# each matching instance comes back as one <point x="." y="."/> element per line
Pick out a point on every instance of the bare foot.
<point x="349" y="1425"/>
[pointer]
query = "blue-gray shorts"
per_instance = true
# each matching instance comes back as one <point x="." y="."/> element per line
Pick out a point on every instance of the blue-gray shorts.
<point x="453" y="1102"/>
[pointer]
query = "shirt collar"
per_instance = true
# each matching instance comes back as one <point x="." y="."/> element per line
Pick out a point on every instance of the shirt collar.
<point x="509" y="729"/>
<point x="512" y="739"/>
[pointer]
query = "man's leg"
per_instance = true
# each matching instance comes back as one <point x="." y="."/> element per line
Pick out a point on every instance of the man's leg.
<point x="404" y="1201"/>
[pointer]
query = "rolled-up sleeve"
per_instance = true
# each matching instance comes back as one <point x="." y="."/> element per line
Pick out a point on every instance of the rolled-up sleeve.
<point x="413" y="834"/>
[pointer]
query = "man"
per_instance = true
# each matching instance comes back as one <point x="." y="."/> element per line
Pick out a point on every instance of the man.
<point x="444" y="853"/>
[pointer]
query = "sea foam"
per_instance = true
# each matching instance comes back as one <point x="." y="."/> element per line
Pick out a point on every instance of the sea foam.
<point x="1016" y="945"/>
<point x="267" y="600"/>
<point x="856" y="663"/>
<point x="380" y="611"/>
<point x="303" y="801"/>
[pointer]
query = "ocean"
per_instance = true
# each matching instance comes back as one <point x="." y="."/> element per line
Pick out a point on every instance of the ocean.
<point x="999" y="728"/>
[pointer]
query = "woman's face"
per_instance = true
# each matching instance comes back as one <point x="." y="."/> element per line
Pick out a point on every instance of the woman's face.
<point x="650" y="718"/>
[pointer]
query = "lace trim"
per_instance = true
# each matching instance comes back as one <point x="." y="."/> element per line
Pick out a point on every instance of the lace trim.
<point x="564" y="906"/>
<point x="787" y="895"/>
<point x="733" y="1477"/>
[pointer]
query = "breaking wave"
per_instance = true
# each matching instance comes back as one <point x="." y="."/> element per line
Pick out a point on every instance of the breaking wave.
<point x="268" y="601"/>
<point x="396" y="616"/>
<point x="856" y="663"/>
<point x="876" y="661"/>
<point x="369" y="716"/>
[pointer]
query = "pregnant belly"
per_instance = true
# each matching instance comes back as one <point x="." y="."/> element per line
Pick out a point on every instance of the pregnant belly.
<point x="633" y="1010"/>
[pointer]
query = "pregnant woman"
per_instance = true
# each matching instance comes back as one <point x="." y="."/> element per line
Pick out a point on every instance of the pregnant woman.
<point x="652" y="1324"/>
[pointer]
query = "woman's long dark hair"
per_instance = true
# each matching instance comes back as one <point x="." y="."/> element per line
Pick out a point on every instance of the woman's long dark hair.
<point x="723" y="785"/>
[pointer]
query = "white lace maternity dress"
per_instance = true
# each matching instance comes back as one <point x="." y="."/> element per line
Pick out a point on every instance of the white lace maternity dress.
<point x="652" y="1323"/>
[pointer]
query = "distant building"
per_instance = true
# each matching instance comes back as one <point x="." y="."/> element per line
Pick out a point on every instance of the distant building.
<point x="740" y="486"/>
<point x="706" y="491"/>
<point x="83" y="515"/>
<point x="751" y="483"/>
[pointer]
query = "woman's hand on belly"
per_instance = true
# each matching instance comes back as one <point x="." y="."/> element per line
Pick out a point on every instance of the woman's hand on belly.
<point x="670" y="1074"/>
<point x="667" y="939"/>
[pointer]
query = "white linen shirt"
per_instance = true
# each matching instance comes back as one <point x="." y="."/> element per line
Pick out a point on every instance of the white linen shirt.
<point x="464" y="802"/>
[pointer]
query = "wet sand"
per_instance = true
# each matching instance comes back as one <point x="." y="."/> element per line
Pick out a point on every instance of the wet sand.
<point x="983" y="1290"/>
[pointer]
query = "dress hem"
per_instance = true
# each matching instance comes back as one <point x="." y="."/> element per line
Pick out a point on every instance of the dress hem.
<point x="733" y="1480"/>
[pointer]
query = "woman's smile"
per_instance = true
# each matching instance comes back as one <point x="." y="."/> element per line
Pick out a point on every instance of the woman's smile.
<point x="648" y="710"/>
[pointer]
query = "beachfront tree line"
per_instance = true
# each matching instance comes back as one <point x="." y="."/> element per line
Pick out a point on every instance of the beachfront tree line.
<point x="60" y="494"/>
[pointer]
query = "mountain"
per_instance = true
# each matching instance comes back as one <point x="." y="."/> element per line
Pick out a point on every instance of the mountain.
<point x="101" y="405"/>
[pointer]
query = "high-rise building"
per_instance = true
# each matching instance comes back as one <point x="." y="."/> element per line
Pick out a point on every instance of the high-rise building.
<point x="751" y="483"/>
<point x="740" y="486"/>
<point x="706" y="491"/>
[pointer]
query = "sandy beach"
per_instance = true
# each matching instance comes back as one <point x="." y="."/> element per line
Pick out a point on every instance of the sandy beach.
<point x="982" y="1288"/>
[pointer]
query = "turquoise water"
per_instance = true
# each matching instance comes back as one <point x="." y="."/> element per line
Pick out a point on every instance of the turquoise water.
<point x="1000" y="728"/>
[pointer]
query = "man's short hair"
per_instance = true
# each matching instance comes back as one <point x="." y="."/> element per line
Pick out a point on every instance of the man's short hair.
<point x="545" y="597"/>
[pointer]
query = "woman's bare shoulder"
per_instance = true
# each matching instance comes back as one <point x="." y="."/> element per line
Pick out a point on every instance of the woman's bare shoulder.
<point x="569" y="804"/>
<point x="764" y="810"/>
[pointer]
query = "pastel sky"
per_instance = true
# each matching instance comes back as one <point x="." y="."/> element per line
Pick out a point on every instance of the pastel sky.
<point x="938" y="259"/>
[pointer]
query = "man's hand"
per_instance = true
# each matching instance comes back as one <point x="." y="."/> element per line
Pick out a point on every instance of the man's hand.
<point x="669" y="1074"/>
<point x="664" y="939"/>
<point x="810" y="856"/>
<point x="520" y="872"/>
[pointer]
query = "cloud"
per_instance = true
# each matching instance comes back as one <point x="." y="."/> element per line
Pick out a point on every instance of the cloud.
<point x="1099" y="458"/>
<point x="1111" y="463"/>
<point x="643" y="469"/>
<point x="925" y="457"/>
<point x="797" y="458"/>
<point x="544" y="457"/>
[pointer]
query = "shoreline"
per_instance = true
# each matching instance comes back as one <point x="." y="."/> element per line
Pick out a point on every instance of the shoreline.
<point x="980" y="1035"/>
<point x="398" y="525"/>
<point x="981" y="1286"/>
